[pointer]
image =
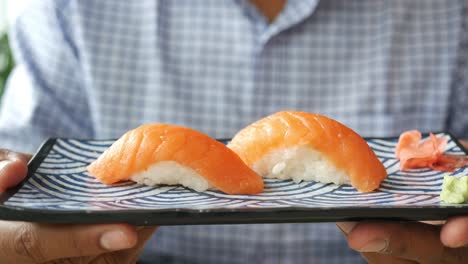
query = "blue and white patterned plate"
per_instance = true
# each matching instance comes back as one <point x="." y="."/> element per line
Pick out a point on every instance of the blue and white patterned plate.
<point x="59" y="190"/>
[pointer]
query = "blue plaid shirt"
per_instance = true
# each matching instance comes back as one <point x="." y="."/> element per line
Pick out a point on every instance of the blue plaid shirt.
<point x="94" y="69"/>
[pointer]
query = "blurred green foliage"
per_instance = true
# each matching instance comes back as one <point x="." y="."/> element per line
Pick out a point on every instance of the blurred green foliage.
<point x="6" y="61"/>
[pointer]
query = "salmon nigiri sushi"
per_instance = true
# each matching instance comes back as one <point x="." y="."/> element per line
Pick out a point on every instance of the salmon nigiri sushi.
<point x="167" y="154"/>
<point x="308" y="147"/>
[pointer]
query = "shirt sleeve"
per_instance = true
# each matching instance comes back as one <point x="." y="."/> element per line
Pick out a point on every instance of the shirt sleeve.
<point x="45" y="94"/>
<point x="458" y="114"/>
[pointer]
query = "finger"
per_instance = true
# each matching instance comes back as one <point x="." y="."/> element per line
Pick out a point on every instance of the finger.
<point x="464" y="143"/>
<point x="413" y="241"/>
<point x="346" y="228"/>
<point x="13" y="168"/>
<point x="131" y="255"/>
<point x="34" y="243"/>
<point x="433" y="222"/>
<point x="6" y="154"/>
<point x="144" y="235"/>
<point x="454" y="233"/>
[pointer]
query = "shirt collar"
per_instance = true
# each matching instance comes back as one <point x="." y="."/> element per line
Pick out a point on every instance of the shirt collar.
<point x="294" y="12"/>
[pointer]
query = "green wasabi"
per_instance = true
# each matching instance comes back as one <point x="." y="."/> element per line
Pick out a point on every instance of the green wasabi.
<point x="454" y="190"/>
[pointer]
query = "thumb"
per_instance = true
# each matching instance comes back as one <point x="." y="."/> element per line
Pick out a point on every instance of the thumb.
<point x="131" y="255"/>
<point x="13" y="168"/>
<point x="32" y="243"/>
<point x="454" y="233"/>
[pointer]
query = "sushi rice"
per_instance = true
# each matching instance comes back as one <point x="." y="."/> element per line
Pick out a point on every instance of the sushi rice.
<point x="299" y="163"/>
<point x="172" y="173"/>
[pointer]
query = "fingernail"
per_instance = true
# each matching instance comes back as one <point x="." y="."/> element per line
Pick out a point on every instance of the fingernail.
<point x="115" y="240"/>
<point x="374" y="246"/>
<point x="3" y="163"/>
<point x="346" y="227"/>
<point x="460" y="244"/>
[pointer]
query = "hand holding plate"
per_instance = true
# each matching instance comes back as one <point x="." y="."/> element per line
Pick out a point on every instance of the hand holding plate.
<point x="409" y="242"/>
<point x="24" y="243"/>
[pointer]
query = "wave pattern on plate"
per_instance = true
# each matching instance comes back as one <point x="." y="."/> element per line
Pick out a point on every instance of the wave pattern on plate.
<point x="62" y="183"/>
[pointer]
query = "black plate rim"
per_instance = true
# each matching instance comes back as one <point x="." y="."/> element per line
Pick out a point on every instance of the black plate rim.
<point x="193" y="217"/>
<point x="185" y="216"/>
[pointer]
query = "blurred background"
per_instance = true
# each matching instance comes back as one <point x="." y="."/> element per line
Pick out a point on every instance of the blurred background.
<point x="6" y="60"/>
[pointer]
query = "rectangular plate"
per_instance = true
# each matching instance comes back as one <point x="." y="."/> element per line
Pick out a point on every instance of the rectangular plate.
<point x="59" y="190"/>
